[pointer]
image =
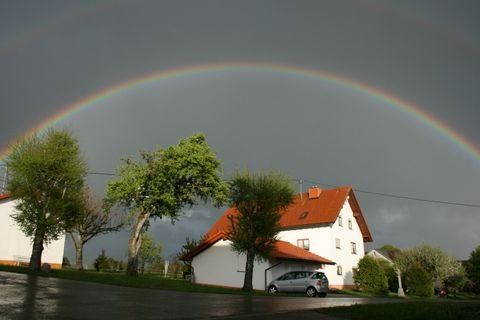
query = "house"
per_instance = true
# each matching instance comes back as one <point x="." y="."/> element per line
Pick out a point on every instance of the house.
<point x="15" y="247"/>
<point x="322" y="230"/>
<point x="389" y="256"/>
<point x="379" y="254"/>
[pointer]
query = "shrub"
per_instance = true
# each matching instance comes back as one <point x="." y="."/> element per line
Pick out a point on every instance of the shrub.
<point x="370" y="276"/>
<point x="391" y="274"/>
<point x="473" y="269"/>
<point x="418" y="281"/>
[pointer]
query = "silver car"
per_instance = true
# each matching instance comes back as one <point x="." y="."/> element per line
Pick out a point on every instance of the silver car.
<point x="313" y="283"/>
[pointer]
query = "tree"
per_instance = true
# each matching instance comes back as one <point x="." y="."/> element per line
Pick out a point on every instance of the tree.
<point x="473" y="268"/>
<point x="390" y="273"/>
<point x="418" y="281"/>
<point x="162" y="182"/>
<point x="65" y="262"/>
<point x="189" y="245"/>
<point x="370" y="276"/>
<point x="149" y="251"/>
<point x="46" y="174"/>
<point x="259" y="200"/>
<point x="94" y="219"/>
<point x="439" y="264"/>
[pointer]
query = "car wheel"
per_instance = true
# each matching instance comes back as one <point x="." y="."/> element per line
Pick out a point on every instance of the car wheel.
<point x="322" y="294"/>
<point x="311" y="292"/>
<point x="272" y="289"/>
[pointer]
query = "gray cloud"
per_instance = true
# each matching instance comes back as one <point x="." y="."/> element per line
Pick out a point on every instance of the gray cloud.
<point x="54" y="54"/>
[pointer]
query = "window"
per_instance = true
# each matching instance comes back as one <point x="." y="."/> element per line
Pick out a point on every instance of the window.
<point x="303" y="274"/>
<point x="350" y="224"/>
<point x="288" y="276"/>
<point x="337" y="243"/>
<point x="339" y="270"/>
<point x="354" y="247"/>
<point x="303" y="243"/>
<point x="340" y="222"/>
<point x="319" y="275"/>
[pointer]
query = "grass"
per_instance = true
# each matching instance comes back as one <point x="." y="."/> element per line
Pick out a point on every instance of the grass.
<point x="363" y="294"/>
<point x="439" y="310"/>
<point x="149" y="281"/>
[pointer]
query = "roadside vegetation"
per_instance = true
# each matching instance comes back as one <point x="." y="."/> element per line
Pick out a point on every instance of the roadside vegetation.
<point x="407" y="311"/>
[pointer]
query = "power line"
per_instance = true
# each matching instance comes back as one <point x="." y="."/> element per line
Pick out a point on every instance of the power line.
<point x="376" y="193"/>
<point x="390" y="195"/>
<point x="101" y="173"/>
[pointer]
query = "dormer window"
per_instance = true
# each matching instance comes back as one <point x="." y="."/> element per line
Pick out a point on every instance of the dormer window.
<point x="340" y="221"/>
<point x="303" y="215"/>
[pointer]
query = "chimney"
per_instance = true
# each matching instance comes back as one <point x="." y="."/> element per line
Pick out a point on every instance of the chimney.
<point x="314" y="192"/>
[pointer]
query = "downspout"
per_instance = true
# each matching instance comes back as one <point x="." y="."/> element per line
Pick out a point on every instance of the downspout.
<point x="271" y="267"/>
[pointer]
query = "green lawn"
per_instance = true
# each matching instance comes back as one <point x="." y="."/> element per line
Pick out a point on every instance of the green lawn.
<point x="120" y="279"/>
<point x="150" y="281"/>
<point x="435" y="310"/>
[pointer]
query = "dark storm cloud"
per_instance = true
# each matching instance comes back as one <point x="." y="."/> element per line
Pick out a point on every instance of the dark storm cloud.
<point x="54" y="53"/>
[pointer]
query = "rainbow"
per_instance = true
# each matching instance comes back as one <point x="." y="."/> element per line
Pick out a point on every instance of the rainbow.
<point x="356" y="86"/>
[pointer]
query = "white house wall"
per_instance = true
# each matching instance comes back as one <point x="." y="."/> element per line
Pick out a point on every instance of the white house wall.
<point x="16" y="248"/>
<point x="323" y="243"/>
<point x="220" y="265"/>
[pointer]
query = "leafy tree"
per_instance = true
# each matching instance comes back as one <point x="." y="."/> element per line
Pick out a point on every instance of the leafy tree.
<point x="46" y="174"/>
<point x="439" y="264"/>
<point x="94" y="219"/>
<point x="370" y="276"/>
<point x="149" y="251"/>
<point x="65" y="262"/>
<point x="389" y="248"/>
<point x="189" y="245"/>
<point x="162" y="182"/>
<point x="473" y="268"/>
<point x="390" y="273"/>
<point x="455" y="283"/>
<point x="418" y="281"/>
<point x="259" y="200"/>
<point x="104" y="262"/>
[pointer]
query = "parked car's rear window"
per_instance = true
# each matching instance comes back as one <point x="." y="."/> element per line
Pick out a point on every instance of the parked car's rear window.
<point x="303" y="274"/>
<point x="319" y="275"/>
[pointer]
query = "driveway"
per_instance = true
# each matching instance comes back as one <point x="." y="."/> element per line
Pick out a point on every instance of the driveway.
<point x="31" y="297"/>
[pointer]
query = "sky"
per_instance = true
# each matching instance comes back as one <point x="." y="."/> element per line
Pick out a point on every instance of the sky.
<point x="379" y="95"/>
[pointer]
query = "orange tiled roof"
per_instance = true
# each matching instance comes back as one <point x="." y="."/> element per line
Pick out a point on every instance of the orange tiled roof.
<point x="205" y="244"/>
<point x="287" y="251"/>
<point x="5" y="195"/>
<point x="282" y="251"/>
<point x="305" y="212"/>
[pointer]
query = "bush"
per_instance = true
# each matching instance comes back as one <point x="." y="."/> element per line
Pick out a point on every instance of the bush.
<point x="370" y="276"/>
<point x="418" y="281"/>
<point x="473" y="269"/>
<point x="391" y="274"/>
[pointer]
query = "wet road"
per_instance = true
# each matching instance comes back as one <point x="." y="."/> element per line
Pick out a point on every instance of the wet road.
<point x="30" y="297"/>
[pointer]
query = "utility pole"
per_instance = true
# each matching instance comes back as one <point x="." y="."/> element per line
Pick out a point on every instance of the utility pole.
<point x="3" y="178"/>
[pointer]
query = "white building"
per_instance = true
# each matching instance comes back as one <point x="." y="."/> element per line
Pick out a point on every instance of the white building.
<point x="323" y="230"/>
<point x="15" y="247"/>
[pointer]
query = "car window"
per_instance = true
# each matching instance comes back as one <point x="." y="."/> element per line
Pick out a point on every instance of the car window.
<point x="303" y="274"/>
<point x="319" y="275"/>
<point x="287" y="276"/>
